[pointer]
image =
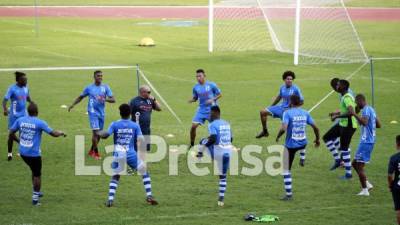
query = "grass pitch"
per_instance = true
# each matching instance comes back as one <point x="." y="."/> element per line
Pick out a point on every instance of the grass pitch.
<point x="248" y="81"/>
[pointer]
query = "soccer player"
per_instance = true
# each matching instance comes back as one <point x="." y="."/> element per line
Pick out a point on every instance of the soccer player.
<point x="286" y="90"/>
<point x="143" y="105"/>
<point x="369" y="122"/>
<point x="18" y="93"/>
<point x="207" y="93"/>
<point x="30" y="130"/>
<point x="125" y="132"/>
<point x="331" y="140"/>
<point x="393" y="178"/>
<point x="347" y="127"/>
<point x="219" y="145"/>
<point x="294" y="122"/>
<point x="98" y="94"/>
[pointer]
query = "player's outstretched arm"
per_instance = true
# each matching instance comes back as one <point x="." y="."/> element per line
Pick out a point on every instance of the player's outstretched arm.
<point x="57" y="133"/>
<point x="110" y="99"/>
<point x="5" y="110"/>
<point x="77" y="100"/>
<point x="316" y="133"/>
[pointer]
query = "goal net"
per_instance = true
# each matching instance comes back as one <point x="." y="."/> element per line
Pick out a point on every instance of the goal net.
<point x="314" y="31"/>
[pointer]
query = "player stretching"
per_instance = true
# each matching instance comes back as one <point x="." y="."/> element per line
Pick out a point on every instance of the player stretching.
<point x="369" y="122"/>
<point x="125" y="132"/>
<point x="219" y="145"/>
<point x="98" y="93"/>
<point x="18" y="94"/>
<point x="207" y="93"/>
<point x="286" y="90"/>
<point x="294" y="122"/>
<point x="331" y="138"/>
<point x="30" y="130"/>
<point x="347" y="127"/>
<point x="393" y="178"/>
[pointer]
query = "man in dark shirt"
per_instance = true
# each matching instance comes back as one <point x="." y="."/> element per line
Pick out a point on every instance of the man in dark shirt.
<point x="393" y="178"/>
<point x="141" y="109"/>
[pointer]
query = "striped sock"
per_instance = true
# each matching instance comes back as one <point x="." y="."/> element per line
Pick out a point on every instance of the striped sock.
<point x="112" y="189"/>
<point x="287" y="179"/>
<point x="35" y="197"/>
<point x="347" y="161"/>
<point x="302" y="154"/>
<point x="336" y="143"/>
<point x="222" y="187"/>
<point x="147" y="184"/>
<point x="332" y="148"/>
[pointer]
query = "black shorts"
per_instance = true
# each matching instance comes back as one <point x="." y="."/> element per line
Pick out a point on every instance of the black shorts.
<point x="291" y="153"/>
<point x="396" y="198"/>
<point x="35" y="163"/>
<point x="332" y="133"/>
<point x="346" y="133"/>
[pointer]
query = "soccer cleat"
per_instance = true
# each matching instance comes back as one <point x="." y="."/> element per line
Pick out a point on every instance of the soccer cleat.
<point x="151" y="200"/>
<point x="346" y="177"/>
<point x="109" y="203"/>
<point x="364" y="192"/>
<point x="369" y="185"/>
<point x="263" y="133"/>
<point x="97" y="156"/>
<point x="335" y="165"/>
<point x="35" y="203"/>
<point x="221" y="203"/>
<point x="302" y="162"/>
<point x="287" y="198"/>
<point x="9" y="156"/>
<point x="91" y="153"/>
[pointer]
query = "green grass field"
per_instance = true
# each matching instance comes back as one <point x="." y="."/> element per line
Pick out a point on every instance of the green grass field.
<point x="354" y="3"/>
<point x="248" y="81"/>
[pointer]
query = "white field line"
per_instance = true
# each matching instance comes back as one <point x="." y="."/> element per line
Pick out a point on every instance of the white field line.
<point x="331" y="92"/>
<point x="160" y="96"/>
<point x="386" y="58"/>
<point x="52" y="53"/>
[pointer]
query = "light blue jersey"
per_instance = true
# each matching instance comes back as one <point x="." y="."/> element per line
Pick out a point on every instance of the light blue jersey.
<point x="97" y="98"/>
<point x="30" y="134"/>
<point x="286" y="92"/>
<point x="125" y="133"/>
<point x="296" y="120"/>
<point x="222" y="130"/>
<point x="18" y="96"/>
<point x="203" y="93"/>
<point x="368" y="132"/>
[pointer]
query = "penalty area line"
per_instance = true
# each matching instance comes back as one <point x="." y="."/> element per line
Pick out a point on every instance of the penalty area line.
<point x="331" y="92"/>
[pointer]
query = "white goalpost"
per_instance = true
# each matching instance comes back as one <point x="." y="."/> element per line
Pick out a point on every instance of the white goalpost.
<point x="314" y="31"/>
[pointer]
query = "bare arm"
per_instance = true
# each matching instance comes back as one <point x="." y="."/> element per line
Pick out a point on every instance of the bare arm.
<point x="277" y="100"/>
<point x="316" y="133"/>
<point x="350" y="112"/>
<point x="110" y="99"/>
<point x="29" y="99"/>
<point x="77" y="100"/>
<point x="57" y="133"/>
<point x="378" y="123"/>
<point x="193" y="99"/>
<point x="5" y="110"/>
<point x="390" y="180"/>
<point x="362" y="120"/>
<point x="157" y="106"/>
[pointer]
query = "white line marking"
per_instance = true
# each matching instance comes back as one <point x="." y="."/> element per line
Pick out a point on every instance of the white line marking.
<point x="161" y="98"/>
<point x="386" y="58"/>
<point x="331" y="92"/>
